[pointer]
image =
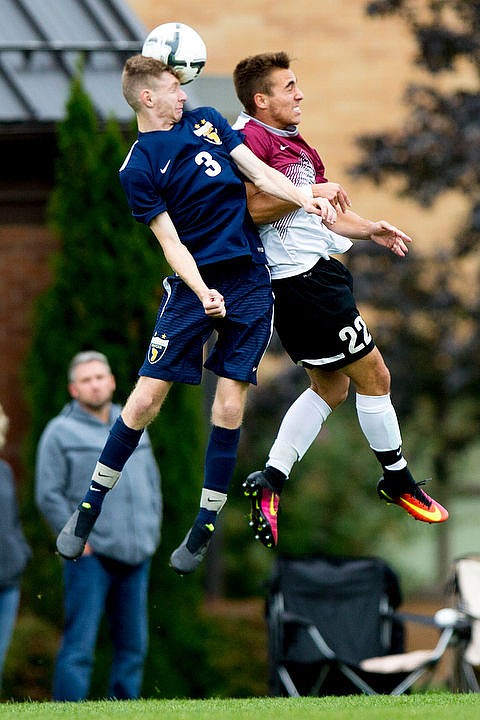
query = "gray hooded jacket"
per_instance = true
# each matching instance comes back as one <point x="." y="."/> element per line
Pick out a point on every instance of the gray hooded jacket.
<point x="128" y="528"/>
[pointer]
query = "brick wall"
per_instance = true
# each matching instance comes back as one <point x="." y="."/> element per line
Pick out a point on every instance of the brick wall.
<point x="25" y="252"/>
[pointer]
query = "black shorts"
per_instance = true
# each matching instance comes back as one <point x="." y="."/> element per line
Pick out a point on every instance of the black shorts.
<point x="317" y="319"/>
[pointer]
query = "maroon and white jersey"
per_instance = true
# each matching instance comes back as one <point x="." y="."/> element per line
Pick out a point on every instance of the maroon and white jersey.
<point x="295" y="243"/>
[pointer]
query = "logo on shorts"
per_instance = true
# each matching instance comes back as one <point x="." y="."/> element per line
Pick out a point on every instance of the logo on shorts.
<point x="158" y="348"/>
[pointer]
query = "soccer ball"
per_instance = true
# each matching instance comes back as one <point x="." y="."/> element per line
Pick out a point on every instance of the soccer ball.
<point x="179" y="46"/>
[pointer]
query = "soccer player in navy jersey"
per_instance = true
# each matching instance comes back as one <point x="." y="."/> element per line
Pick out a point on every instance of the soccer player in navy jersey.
<point x="316" y="316"/>
<point x="184" y="178"/>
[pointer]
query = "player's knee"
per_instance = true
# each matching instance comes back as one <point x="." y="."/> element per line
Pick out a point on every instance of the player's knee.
<point x="334" y="396"/>
<point x="227" y="413"/>
<point x="382" y="376"/>
<point x="334" y="392"/>
<point x="146" y="399"/>
<point x="376" y="380"/>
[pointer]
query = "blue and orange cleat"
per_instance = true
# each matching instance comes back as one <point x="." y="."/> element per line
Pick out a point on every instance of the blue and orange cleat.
<point x="408" y="495"/>
<point x="264" y="508"/>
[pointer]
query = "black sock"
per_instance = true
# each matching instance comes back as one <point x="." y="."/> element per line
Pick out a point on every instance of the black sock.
<point x="388" y="457"/>
<point x="398" y="479"/>
<point x="276" y="478"/>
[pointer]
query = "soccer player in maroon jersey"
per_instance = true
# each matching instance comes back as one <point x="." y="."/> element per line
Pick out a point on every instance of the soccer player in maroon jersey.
<point x="316" y="316"/>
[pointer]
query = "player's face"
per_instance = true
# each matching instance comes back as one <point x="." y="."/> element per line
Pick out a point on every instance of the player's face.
<point x="168" y="98"/>
<point x="93" y="385"/>
<point x="282" y="104"/>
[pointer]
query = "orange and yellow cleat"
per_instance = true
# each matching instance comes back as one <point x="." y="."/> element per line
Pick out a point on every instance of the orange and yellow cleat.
<point x="413" y="500"/>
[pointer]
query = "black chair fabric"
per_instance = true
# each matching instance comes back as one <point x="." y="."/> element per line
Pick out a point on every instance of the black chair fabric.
<point x="351" y="602"/>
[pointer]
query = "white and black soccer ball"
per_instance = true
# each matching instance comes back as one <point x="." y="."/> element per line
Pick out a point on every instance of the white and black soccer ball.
<point x="179" y="46"/>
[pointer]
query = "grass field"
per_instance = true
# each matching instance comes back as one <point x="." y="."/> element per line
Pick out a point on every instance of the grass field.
<point x="431" y="706"/>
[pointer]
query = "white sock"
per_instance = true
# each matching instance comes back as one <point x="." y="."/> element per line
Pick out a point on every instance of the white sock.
<point x="212" y="500"/>
<point x="378" y="420"/>
<point x="300" y="426"/>
<point x="106" y="476"/>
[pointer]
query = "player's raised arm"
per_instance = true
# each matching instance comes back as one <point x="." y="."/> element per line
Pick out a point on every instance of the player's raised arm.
<point x="182" y="262"/>
<point x="271" y="181"/>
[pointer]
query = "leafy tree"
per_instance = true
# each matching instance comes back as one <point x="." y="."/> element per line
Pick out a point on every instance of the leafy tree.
<point x="428" y="309"/>
<point x="104" y="295"/>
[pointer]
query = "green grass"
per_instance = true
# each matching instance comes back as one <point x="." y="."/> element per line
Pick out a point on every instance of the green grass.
<point x="429" y="706"/>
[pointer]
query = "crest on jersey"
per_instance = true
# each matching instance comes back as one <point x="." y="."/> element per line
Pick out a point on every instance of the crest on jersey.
<point x="158" y="348"/>
<point x="205" y="130"/>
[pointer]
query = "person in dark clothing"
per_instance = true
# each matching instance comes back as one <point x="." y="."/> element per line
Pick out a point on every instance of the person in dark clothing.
<point x="14" y="550"/>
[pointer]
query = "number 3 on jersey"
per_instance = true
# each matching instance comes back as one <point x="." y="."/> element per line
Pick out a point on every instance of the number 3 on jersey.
<point x="358" y="336"/>
<point x="212" y="167"/>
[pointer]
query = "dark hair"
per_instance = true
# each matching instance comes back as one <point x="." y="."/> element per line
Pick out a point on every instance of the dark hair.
<point x="252" y="75"/>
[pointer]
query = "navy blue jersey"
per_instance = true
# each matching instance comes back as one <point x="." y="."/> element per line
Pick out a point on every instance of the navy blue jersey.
<point x="188" y="172"/>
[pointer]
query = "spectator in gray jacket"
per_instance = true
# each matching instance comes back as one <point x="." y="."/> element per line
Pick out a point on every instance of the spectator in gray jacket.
<point x="111" y="577"/>
<point x="14" y="550"/>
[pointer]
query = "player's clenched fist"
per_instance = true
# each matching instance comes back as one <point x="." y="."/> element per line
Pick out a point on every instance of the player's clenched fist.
<point x="214" y="304"/>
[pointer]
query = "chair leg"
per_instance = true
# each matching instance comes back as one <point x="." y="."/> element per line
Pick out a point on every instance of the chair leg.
<point x="320" y="680"/>
<point x="357" y="680"/>
<point x="463" y="678"/>
<point x="287" y="681"/>
<point x="471" y="681"/>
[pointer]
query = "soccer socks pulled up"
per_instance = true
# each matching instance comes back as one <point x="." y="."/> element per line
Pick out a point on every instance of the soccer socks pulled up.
<point x="378" y="420"/>
<point x="220" y="459"/>
<point x="96" y="492"/>
<point x="300" y="426"/>
<point x="121" y="443"/>
<point x="397" y="486"/>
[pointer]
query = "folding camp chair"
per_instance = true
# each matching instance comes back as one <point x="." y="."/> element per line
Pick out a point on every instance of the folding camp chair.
<point x="466" y="589"/>
<point x="333" y="630"/>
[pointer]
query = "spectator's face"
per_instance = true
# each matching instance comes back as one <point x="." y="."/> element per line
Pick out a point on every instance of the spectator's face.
<point x="93" y="385"/>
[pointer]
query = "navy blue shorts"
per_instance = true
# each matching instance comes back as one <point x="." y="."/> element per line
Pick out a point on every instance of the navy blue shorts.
<point x="317" y="320"/>
<point x="176" y="350"/>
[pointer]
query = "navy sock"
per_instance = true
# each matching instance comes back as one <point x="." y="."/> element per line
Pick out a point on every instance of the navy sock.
<point x="220" y="459"/>
<point x="206" y="517"/>
<point x="120" y="444"/>
<point x="94" y="497"/>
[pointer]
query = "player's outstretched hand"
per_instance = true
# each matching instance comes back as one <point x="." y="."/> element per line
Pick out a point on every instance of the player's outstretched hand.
<point x="391" y="237"/>
<point x="214" y="304"/>
<point x="321" y="206"/>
